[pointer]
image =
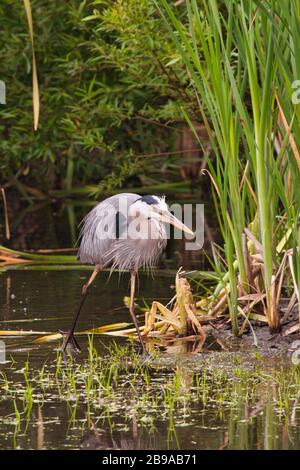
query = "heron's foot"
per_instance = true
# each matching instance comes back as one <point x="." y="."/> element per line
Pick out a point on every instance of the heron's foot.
<point x="146" y="356"/>
<point x="69" y="342"/>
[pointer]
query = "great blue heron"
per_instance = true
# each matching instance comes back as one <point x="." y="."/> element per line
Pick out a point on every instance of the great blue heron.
<point x="126" y="232"/>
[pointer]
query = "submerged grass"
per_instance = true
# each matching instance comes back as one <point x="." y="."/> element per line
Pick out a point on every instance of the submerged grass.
<point x="115" y="386"/>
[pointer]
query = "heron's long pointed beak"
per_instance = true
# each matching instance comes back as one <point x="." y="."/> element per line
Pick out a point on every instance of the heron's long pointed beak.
<point x="171" y="219"/>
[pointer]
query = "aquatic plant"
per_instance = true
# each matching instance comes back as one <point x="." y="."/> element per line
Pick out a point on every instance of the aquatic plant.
<point x="242" y="61"/>
<point x="113" y="387"/>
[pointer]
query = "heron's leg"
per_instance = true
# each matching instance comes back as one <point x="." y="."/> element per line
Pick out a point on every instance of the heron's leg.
<point x="69" y="335"/>
<point x="132" y="313"/>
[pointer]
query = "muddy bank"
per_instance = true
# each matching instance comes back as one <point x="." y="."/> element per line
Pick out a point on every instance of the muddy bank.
<point x="283" y="344"/>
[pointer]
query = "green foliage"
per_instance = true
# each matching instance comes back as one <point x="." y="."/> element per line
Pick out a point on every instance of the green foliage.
<point x="109" y="78"/>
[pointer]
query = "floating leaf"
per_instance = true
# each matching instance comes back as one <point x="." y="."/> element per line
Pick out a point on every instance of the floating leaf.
<point x="103" y="329"/>
<point x="21" y="333"/>
<point x="95" y="331"/>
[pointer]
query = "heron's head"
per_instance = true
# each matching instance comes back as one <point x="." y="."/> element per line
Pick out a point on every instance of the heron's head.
<point x="155" y="208"/>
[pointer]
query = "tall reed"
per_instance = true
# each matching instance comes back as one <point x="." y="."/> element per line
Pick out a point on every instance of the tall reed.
<point x="242" y="57"/>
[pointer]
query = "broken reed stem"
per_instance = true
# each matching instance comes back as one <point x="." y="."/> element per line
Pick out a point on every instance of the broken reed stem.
<point x="7" y="228"/>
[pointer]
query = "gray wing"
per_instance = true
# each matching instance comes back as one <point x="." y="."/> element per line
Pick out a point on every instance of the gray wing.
<point x="94" y="237"/>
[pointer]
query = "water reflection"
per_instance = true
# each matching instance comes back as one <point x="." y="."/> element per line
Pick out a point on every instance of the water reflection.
<point x="94" y="439"/>
<point x="170" y="404"/>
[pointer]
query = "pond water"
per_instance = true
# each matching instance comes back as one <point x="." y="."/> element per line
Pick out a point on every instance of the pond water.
<point x="220" y="398"/>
